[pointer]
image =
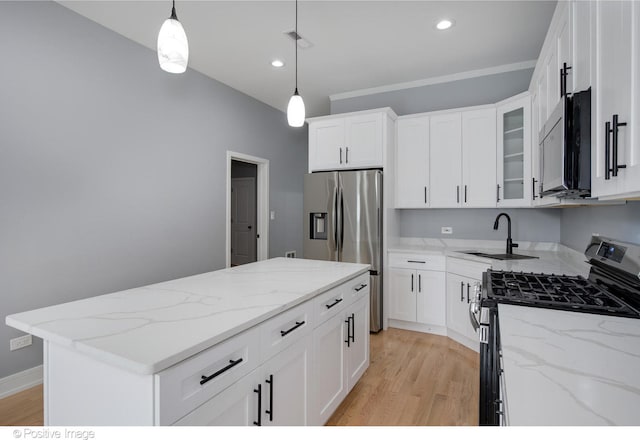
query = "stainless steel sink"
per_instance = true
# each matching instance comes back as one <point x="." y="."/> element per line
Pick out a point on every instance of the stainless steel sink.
<point x="500" y="256"/>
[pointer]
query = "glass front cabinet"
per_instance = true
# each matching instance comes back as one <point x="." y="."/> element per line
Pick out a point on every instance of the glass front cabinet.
<point x="514" y="183"/>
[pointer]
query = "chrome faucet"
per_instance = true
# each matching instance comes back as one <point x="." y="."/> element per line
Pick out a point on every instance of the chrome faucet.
<point x="510" y="243"/>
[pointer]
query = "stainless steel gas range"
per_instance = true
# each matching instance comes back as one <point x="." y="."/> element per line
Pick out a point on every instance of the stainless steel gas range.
<point x="612" y="288"/>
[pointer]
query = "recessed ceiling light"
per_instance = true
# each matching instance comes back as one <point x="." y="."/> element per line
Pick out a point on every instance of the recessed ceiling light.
<point x="277" y="63"/>
<point x="444" y="24"/>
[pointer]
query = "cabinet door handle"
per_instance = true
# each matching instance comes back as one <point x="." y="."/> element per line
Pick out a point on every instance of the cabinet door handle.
<point x="457" y="193"/>
<point x="340" y="155"/>
<point x="270" y="410"/>
<point x="335" y="303"/>
<point x="259" y="391"/>
<point x="416" y="261"/>
<point x="563" y="79"/>
<point x="346" y="155"/>
<point x="232" y="364"/>
<point x="425" y="194"/>
<point x="348" y="321"/>
<point x="468" y="299"/>
<point x="284" y="333"/>
<point x="497" y="193"/>
<point x="360" y="287"/>
<point x="419" y="282"/>
<point x="607" y="151"/>
<point x="353" y="328"/>
<point x="412" y="282"/>
<point x="461" y="290"/>
<point x="465" y="194"/>
<point x="615" y="124"/>
<point x="533" y="188"/>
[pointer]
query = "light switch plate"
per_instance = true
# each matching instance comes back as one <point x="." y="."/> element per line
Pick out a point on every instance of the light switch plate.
<point x="446" y="230"/>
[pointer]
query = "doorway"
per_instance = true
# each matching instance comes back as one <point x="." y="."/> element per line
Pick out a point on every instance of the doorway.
<point x="247" y="209"/>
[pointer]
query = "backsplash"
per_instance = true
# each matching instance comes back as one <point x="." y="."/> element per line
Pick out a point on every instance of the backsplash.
<point x="621" y="222"/>
<point x="526" y="224"/>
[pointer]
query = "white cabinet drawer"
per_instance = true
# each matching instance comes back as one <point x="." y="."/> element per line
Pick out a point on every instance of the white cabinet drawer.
<point x="279" y="332"/>
<point x="187" y="385"/>
<point x="357" y="287"/>
<point x="329" y="304"/>
<point x="466" y="268"/>
<point x="417" y="261"/>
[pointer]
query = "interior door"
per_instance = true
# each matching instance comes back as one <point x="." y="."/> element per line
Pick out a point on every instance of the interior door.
<point x="243" y="220"/>
<point x="360" y="221"/>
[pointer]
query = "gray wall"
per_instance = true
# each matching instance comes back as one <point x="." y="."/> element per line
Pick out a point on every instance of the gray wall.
<point x="481" y="90"/>
<point x="112" y="172"/>
<point x="477" y="224"/>
<point x="621" y="222"/>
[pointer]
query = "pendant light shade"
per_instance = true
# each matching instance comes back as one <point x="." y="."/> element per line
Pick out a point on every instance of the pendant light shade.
<point x="295" y="109"/>
<point x="173" y="47"/>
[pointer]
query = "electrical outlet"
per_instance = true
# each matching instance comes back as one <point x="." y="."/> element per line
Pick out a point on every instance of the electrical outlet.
<point x="290" y="254"/>
<point x="20" y="342"/>
<point x="272" y="215"/>
<point x="446" y="230"/>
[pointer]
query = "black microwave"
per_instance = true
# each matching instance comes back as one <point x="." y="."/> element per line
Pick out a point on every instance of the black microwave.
<point x="565" y="148"/>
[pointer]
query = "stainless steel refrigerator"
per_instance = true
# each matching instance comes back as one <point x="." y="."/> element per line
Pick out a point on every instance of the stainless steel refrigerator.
<point x="343" y="222"/>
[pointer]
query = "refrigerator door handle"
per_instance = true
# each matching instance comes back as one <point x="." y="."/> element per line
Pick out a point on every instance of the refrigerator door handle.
<point x="341" y="219"/>
<point x="335" y="219"/>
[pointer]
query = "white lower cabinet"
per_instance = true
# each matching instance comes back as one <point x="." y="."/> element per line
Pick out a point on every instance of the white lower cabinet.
<point x="274" y="394"/>
<point x="235" y="406"/>
<point x="462" y="276"/>
<point x="340" y="357"/>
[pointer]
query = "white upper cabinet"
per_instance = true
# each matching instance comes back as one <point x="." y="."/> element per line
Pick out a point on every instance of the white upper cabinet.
<point x="479" y="158"/>
<point x="445" y="174"/>
<point x="349" y="141"/>
<point x="514" y="152"/>
<point x="412" y="162"/>
<point x="447" y="160"/>
<point x="581" y="43"/>
<point x="615" y="155"/>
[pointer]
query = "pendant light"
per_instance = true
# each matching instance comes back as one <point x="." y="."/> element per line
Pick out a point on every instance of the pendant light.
<point x="173" y="47"/>
<point x="295" y="109"/>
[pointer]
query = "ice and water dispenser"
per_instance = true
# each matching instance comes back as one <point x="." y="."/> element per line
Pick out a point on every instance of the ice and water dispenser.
<point x="318" y="223"/>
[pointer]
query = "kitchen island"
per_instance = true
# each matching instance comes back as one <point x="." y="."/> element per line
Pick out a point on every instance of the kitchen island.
<point x="197" y="350"/>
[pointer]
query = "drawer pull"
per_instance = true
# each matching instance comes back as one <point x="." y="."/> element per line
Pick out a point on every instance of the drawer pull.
<point x="360" y="287"/>
<point x="337" y="301"/>
<point x="284" y="333"/>
<point x="232" y="364"/>
<point x="416" y="261"/>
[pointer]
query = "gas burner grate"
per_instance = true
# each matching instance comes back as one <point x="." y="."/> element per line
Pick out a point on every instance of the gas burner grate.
<point x="553" y="291"/>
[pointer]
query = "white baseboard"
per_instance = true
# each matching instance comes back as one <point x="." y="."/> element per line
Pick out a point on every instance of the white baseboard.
<point x="418" y="327"/>
<point x="20" y="381"/>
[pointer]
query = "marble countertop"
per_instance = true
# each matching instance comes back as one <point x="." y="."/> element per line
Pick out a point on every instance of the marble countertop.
<point x="150" y="328"/>
<point x="552" y="257"/>
<point x="570" y="368"/>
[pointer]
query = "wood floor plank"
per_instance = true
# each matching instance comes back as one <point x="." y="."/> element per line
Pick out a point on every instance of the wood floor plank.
<point x="415" y="379"/>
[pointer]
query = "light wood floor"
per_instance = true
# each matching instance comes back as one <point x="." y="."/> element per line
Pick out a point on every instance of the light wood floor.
<point x="413" y="379"/>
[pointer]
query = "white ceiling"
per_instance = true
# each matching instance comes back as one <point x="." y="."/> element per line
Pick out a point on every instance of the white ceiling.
<point x="356" y="44"/>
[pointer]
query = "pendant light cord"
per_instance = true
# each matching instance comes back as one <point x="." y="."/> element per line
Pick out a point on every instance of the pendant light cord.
<point x="173" y="11"/>
<point x="296" y="43"/>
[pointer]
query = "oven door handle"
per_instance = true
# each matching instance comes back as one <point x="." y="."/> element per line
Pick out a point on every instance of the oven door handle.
<point x="474" y="306"/>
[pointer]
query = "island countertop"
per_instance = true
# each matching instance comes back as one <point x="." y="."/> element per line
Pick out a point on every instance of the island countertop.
<point x="150" y="328"/>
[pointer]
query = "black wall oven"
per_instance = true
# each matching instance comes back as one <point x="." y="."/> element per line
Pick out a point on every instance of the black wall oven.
<point x="612" y="288"/>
